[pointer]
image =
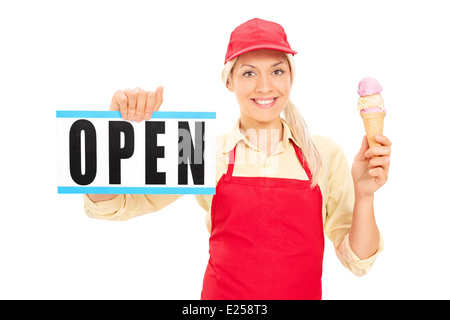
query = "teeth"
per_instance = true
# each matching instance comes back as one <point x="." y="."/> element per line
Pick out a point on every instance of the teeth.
<point x="264" y="101"/>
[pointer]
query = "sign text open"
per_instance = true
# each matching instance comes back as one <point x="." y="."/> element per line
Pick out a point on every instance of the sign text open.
<point x="100" y="153"/>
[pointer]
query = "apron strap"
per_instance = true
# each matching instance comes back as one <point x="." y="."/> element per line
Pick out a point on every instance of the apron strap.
<point x="299" y="153"/>
<point x="231" y="164"/>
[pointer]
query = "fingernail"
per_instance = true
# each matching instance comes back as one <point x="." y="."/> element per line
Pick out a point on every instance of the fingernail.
<point x="138" y="118"/>
<point x="148" y="116"/>
<point x="124" y="116"/>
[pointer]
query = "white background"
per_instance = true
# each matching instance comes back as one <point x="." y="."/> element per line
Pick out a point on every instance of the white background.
<point x="61" y="55"/>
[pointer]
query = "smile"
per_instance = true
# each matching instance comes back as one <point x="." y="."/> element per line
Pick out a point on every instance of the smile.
<point x="265" y="102"/>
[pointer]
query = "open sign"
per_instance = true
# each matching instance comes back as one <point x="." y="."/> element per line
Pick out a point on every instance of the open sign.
<point x="100" y="153"/>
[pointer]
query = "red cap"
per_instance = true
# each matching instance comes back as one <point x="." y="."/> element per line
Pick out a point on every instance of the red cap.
<point x="257" y="34"/>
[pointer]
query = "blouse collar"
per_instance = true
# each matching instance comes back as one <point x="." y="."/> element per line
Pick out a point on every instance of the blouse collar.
<point x="237" y="134"/>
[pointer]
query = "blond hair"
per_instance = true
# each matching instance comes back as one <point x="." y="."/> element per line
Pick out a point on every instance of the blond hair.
<point x="296" y="123"/>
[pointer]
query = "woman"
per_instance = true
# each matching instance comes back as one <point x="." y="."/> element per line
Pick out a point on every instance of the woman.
<point x="278" y="188"/>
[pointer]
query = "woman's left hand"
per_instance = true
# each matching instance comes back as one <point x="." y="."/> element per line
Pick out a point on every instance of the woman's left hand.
<point x="370" y="173"/>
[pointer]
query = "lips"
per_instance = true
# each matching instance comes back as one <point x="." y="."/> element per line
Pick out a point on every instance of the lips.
<point x="265" y="103"/>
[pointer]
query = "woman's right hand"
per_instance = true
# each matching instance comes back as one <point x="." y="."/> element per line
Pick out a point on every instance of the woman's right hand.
<point x="137" y="104"/>
<point x="134" y="105"/>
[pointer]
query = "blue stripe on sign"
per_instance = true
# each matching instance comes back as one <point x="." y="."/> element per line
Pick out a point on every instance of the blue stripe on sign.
<point x="156" y="114"/>
<point x="137" y="190"/>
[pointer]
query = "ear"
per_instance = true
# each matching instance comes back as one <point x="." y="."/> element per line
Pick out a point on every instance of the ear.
<point x="230" y="86"/>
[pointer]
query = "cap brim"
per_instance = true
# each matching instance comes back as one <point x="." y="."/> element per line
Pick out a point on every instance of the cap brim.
<point x="261" y="46"/>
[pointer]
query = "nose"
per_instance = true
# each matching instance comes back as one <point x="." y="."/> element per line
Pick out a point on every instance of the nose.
<point x="264" y="84"/>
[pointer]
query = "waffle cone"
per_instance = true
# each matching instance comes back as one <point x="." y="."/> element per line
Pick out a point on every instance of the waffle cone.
<point x="373" y="123"/>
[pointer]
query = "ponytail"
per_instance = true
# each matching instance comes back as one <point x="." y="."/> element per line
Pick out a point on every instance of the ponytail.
<point x="301" y="134"/>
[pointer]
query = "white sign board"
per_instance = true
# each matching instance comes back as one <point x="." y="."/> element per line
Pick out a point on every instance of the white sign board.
<point x="100" y="153"/>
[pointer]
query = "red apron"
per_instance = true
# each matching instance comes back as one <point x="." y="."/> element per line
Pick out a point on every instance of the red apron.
<point x="266" y="240"/>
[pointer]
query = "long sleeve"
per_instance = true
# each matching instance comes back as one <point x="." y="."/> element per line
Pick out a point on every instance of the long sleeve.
<point x="339" y="199"/>
<point x="127" y="206"/>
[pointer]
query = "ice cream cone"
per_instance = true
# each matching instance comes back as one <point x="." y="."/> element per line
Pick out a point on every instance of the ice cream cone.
<point x="373" y="123"/>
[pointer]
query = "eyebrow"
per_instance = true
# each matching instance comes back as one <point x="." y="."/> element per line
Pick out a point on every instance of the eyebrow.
<point x="251" y="66"/>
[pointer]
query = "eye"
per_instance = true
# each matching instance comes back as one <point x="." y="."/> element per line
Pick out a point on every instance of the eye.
<point x="278" y="72"/>
<point x="248" y="74"/>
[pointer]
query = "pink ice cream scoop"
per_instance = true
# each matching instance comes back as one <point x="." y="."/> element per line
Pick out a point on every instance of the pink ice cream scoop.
<point x="369" y="86"/>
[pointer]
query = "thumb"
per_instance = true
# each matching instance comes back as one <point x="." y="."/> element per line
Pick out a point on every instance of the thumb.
<point x="364" y="147"/>
<point x="159" y="97"/>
